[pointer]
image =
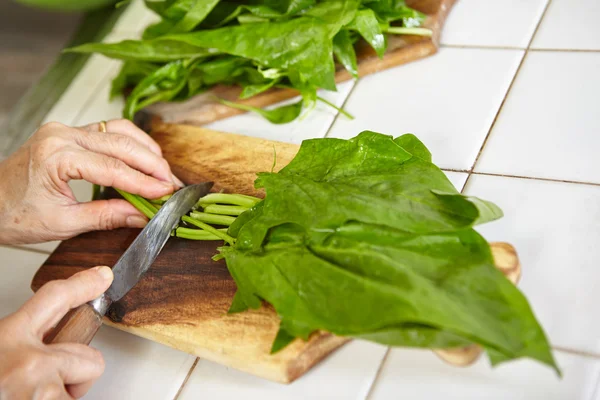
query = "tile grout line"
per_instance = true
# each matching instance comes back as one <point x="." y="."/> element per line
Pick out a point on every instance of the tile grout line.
<point x="355" y="83"/>
<point x="534" y="49"/>
<point x="533" y="178"/>
<point x="378" y="373"/>
<point x="187" y="377"/>
<point x="512" y="83"/>
<point x="480" y="47"/>
<point x="581" y="353"/>
<point x="566" y="50"/>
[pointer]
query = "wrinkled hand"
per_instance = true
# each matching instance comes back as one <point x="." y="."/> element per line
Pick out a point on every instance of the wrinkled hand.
<point x="30" y="369"/>
<point x="36" y="202"/>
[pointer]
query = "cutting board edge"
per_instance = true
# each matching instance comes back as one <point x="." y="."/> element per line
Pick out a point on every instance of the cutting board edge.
<point x="318" y="348"/>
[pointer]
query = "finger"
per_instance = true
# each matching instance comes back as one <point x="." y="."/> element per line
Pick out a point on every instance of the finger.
<point x="103" y="215"/>
<point x="79" y="390"/>
<point x="77" y="363"/>
<point x="108" y="171"/>
<point x="51" y="391"/>
<point x="130" y="151"/>
<point x="127" y="128"/>
<point x="47" y="307"/>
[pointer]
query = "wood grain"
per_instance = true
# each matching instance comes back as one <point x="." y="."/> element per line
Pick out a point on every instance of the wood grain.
<point x="203" y="109"/>
<point x="78" y="326"/>
<point x="183" y="299"/>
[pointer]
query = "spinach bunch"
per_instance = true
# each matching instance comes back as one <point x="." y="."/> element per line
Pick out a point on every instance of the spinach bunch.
<point x="257" y="44"/>
<point x="367" y="238"/>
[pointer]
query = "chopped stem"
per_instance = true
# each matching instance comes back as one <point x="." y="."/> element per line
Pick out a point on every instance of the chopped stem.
<point x="161" y="200"/>
<point x="398" y="30"/>
<point x="214" y="219"/>
<point x="222" y="235"/>
<point x="224" y="210"/>
<point x="224" y="198"/>
<point x="143" y="205"/>
<point x="195" y="234"/>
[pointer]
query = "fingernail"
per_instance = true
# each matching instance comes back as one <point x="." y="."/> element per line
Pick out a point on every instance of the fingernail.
<point x="105" y="272"/>
<point x="136" y="221"/>
<point x="177" y="181"/>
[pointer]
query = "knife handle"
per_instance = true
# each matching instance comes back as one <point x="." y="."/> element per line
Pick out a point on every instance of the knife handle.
<point x="80" y="324"/>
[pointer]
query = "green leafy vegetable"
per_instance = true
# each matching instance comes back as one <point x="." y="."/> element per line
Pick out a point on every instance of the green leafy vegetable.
<point x="343" y="48"/>
<point x="279" y="115"/>
<point x="256" y="44"/>
<point x="367" y="238"/>
<point x="367" y="25"/>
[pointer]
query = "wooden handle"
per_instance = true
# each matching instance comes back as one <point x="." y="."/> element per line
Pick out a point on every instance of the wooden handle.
<point x="78" y="326"/>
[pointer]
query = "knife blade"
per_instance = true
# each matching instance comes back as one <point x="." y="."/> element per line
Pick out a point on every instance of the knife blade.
<point x="81" y="324"/>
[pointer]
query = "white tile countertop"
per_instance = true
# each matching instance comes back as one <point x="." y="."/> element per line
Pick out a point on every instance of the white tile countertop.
<point x="510" y="107"/>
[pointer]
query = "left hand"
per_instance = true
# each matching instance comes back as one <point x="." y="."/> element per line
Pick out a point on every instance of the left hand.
<point x="36" y="202"/>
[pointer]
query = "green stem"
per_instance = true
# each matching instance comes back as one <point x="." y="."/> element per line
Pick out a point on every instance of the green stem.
<point x="161" y="200"/>
<point x="339" y="109"/>
<point x="195" y="234"/>
<point x="222" y="235"/>
<point x="214" y="219"/>
<point x="224" y="210"/>
<point x="143" y="205"/>
<point x="224" y="198"/>
<point x="397" y="30"/>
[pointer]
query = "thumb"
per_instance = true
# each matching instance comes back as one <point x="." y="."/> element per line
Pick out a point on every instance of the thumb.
<point x="105" y="215"/>
<point x="47" y="307"/>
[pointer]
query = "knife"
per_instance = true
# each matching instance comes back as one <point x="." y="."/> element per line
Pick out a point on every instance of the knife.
<point x="81" y="324"/>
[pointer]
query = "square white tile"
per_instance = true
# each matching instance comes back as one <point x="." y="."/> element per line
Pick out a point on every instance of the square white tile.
<point x="549" y="124"/>
<point x="315" y="124"/>
<point x="570" y="24"/>
<point x="458" y="179"/>
<point x="509" y="23"/>
<point x="419" y="374"/>
<point x="449" y="101"/>
<point x="17" y="269"/>
<point x="346" y="374"/>
<point x="137" y="368"/>
<point x="554" y="228"/>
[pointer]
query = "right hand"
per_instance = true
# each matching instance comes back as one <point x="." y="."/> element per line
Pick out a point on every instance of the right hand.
<point x="36" y="202"/>
<point x="31" y="369"/>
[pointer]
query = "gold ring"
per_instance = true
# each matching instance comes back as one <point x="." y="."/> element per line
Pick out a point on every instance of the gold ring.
<point x="103" y="126"/>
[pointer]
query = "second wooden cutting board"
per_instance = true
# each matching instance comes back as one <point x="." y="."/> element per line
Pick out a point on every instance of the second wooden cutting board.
<point x="183" y="299"/>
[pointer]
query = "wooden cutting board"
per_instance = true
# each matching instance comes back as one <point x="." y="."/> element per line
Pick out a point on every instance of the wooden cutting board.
<point x="203" y="109"/>
<point x="183" y="299"/>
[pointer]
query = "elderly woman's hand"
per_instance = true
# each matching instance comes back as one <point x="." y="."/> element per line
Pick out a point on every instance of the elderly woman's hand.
<point x="31" y="369"/>
<point x="36" y="202"/>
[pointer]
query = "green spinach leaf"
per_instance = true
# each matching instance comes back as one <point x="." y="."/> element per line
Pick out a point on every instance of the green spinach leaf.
<point x="367" y="25"/>
<point x="308" y="52"/>
<point x="152" y="51"/>
<point x="367" y="238"/>
<point x="343" y="49"/>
